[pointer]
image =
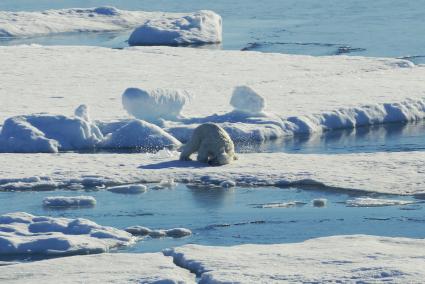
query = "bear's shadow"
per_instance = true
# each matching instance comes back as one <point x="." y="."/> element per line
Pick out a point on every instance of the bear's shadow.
<point x="174" y="164"/>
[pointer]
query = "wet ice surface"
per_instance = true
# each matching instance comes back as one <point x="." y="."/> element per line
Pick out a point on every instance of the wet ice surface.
<point x="393" y="137"/>
<point x="329" y="27"/>
<point x="232" y="216"/>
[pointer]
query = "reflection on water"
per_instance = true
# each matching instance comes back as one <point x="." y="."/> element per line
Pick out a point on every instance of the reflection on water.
<point x="393" y="137"/>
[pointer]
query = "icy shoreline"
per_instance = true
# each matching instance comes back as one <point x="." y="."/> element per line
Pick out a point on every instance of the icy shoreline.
<point x="346" y="258"/>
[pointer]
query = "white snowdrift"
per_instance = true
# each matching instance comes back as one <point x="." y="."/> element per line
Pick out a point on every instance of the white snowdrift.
<point x="376" y="202"/>
<point x="69" y="201"/>
<point x="24" y="234"/>
<point x="344" y="259"/>
<point x="198" y="28"/>
<point x="47" y="133"/>
<point x="99" y="268"/>
<point x="154" y="105"/>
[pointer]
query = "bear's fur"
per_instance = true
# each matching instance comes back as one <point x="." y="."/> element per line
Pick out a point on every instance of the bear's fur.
<point x="213" y="144"/>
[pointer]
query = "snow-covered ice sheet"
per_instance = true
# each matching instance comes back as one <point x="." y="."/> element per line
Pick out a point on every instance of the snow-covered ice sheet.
<point x="100" y="268"/>
<point x="25" y="234"/>
<point x="341" y="91"/>
<point x="355" y="258"/>
<point x="197" y="27"/>
<point x="385" y="172"/>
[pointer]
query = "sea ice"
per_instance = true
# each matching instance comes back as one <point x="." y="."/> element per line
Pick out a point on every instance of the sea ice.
<point x="178" y="232"/>
<point x="25" y="234"/>
<point x="99" y="268"/>
<point x="343" y="259"/>
<point x="138" y="230"/>
<point x="197" y="28"/>
<point x="69" y="201"/>
<point x="128" y="189"/>
<point x="376" y="202"/>
<point x="155" y="104"/>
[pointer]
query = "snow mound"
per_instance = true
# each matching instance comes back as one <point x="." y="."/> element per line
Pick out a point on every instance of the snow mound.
<point x="202" y="27"/>
<point x="344" y="259"/>
<point x="138" y="230"/>
<point x="178" y="232"/>
<point x="69" y="201"/>
<point x="246" y="100"/>
<point x="155" y="104"/>
<point x="128" y="189"/>
<point x="375" y="202"/>
<point x="25" y="234"/>
<point x="140" y="135"/>
<point x="99" y="268"/>
<point x="44" y="133"/>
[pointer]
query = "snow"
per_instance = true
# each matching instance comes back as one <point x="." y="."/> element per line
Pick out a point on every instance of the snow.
<point x="144" y="231"/>
<point x="138" y="230"/>
<point x="288" y="204"/>
<point x="383" y="172"/>
<point x="129" y="189"/>
<point x="201" y="27"/>
<point x="154" y="105"/>
<point x="376" y="202"/>
<point x="245" y="99"/>
<point x="357" y="258"/>
<point x="25" y="234"/>
<point x="69" y="201"/>
<point x="99" y="268"/>
<point x="139" y="134"/>
<point x="178" y="232"/>
<point x="320" y="202"/>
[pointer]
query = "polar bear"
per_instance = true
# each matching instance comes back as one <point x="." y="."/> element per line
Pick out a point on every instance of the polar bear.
<point x="213" y="144"/>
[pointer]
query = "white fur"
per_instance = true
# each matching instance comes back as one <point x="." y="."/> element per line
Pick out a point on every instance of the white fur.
<point x="213" y="144"/>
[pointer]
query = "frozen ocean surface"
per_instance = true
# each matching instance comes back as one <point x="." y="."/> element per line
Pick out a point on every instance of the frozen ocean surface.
<point x="329" y="27"/>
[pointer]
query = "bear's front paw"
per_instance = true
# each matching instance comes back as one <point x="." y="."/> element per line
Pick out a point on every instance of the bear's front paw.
<point x="185" y="159"/>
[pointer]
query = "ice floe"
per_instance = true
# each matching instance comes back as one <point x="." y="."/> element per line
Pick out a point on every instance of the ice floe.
<point x="128" y="189"/>
<point x="288" y="204"/>
<point x="320" y="202"/>
<point x="99" y="268"/>
<point x="25" y="234"/>
<point x="69" y="201"/>
<point x="388" y="172"/>
<point x="335" y="259"/>
<point x="197" y="28"/>
<point x="376" y="202"/>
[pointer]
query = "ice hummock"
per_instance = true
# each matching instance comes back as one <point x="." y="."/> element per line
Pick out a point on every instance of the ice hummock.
<point x="201" y="27"/>
<point x="152" y="105"/>
<point x="25" y="234"/>
<point x="246" y="100"/>
<point x="139" y="134"/>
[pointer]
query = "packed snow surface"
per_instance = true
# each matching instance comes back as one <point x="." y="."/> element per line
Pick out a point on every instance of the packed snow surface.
<point x="25" y="234"/>
<point x="99" y="268"/>
<point x="69" y="201"/>
<point x="385" y="172"/>
<point x="355" y="258"/>
<point x="156" y="104"/>
<point x="197" y="28"/>
<point x="376" y="202"/>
